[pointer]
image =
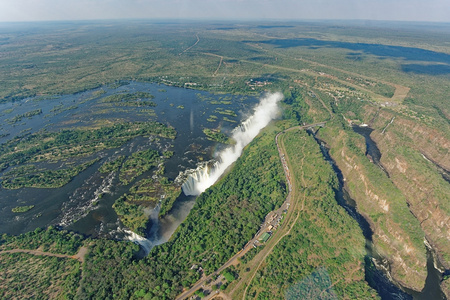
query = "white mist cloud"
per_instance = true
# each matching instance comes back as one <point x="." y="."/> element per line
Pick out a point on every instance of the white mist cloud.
<point x="203" y="178"/>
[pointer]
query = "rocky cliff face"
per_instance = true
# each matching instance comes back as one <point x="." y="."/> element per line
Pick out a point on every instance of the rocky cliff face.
<point x="397" y="234"/>
<point x="411" y="152"/>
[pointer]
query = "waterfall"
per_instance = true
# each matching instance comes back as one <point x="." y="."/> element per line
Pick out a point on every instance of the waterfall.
<point x="146" y="244"/>
<point x="204" y="176"/>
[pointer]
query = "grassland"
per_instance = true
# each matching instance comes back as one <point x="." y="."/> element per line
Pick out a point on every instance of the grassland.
<point x="26" y="275"/>
<point x="410" y="74"/>
<point x="341" y="73"/>
<point x="316" y="241"/>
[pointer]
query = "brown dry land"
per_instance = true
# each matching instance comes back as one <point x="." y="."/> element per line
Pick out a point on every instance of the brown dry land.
<point x="79" y="256"/>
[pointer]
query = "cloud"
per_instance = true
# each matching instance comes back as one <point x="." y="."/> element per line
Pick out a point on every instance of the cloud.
<point x="412" y="10"/>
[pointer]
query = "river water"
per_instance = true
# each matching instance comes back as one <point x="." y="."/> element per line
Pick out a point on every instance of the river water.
<point x="84" y="204"/>
<point x="372" y="151"/>
<point x="376" y="278"/>
<point x="432" y="289"/>
<point x="377" y="268"/>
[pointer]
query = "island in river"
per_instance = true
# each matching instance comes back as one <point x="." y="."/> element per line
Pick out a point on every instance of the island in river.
<point x="87" y="130"/>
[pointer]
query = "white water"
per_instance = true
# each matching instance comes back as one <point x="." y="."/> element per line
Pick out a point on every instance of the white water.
<point x="72" y="213"/>
<point x="161" y="229"/>
<point x="146" y="244"/>
<point x="204" y="177"/>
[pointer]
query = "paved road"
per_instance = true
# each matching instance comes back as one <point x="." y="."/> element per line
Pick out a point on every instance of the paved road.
<point x="278" y="235"/>
<point x="269" y="220"/>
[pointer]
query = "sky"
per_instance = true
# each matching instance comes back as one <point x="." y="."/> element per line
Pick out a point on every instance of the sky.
<point x="395" y="10"/>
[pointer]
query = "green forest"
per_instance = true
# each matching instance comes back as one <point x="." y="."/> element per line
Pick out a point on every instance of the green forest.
<point x="393" y="81"/>
<point x="318" y="242"/>
<point x="225" y="217"/>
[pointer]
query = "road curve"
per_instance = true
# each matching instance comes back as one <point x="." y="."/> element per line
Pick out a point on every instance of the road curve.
<point x="248" y="246"/>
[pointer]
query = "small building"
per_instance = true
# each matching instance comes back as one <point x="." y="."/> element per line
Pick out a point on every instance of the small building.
<point x="264" y="237"/>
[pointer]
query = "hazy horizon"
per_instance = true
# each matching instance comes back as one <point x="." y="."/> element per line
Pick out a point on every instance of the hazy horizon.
<point x="249" y="10"/>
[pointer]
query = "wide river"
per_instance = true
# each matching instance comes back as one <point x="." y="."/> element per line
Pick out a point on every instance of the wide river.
<point x="78" y="205"/>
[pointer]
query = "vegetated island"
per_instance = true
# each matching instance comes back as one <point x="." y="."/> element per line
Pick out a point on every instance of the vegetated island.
<point x="218" y="136"/>
<point x="22" y="209"/>
<point x="20" y="117"/>
<point x="396" y="84"/>
<point x="130" y="99"/>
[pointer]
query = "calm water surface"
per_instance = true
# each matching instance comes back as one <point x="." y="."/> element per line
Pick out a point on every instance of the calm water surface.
<point x="77" y="205"/>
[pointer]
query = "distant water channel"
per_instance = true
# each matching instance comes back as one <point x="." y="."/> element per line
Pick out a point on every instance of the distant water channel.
<point x="432" y="289"/>
<point x="372" y="151"/>
<point x="77" y="205"/>
<point x="376" y="266"/>
<point x="376" y="278"/>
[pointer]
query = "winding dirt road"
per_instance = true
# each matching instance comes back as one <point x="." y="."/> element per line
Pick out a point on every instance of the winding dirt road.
<point x="190" y="47"/>
<point x="79" y="256"/>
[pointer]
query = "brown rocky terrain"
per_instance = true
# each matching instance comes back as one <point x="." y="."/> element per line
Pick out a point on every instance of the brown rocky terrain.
<point x="410" y="151"/>
<point x="414" y="154"/>
<point x="397" y="234"/>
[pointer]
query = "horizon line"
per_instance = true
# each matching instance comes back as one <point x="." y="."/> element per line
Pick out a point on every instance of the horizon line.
<point x="209" y="20"/>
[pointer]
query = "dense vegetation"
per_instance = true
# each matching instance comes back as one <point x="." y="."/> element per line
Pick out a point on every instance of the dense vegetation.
<point x="217" y="135"/>
<point x="138" y="163"/>
<point x="227" y="112"/>
<point x="131" y="215"/>
<point x="39" y="277"/>
<point x="29" y="114"/>
<point x="145" y="193"/>
<point x="225" y="217"/>
<point x="221" y="222"/>
<point x="51" y="239"/>
<point x="55" y="146"/>
<point x="30" y="176"/>
<point x="113" y="165"/>
<point x="21" y="209"/>
<point x="318" y="242"/>
<point x="150" y="191"/>
<point x="128" y="99"/>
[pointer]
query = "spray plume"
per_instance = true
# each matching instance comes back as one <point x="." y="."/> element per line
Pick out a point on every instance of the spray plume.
<point x="203" y="177"/>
